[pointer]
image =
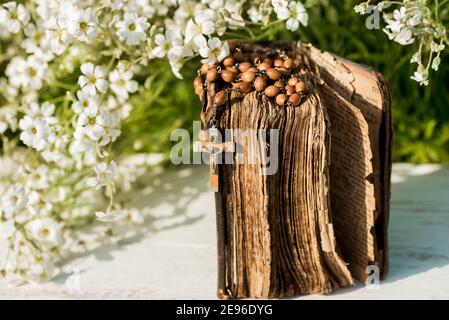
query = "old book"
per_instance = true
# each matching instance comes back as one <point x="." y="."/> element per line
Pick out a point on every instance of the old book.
<point x="321" y="218"/>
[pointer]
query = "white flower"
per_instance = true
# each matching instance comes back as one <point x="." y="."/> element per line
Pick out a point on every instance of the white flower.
<point x="83" y="143"/>
<point x="38" y="178"/>
<point x="84" y="101"/>
<point x="361" y="8"/>
<point x="104" y="175"/>
<point x="197" y="29"/>
<point x="396" y="24"/>
<point x="141" y="7"/>
<point x="112" y="216"/>
<point x="28" y="73"/>
<point x="383" y="5"/>
<point x="34" y="73"/>
<point x="416" y="58"/>
<point x="35" y="39"/>
<point x="162" y="6"/>
<point x="34" y="132"/>
<point x="14" y="200"/>
<point x="14" y="71"/>
<point x="132" y="28"/>
<point x="230" y="12"/>
<point x="112" y="133"/>
<point x="113" y="4"/>
<point x="58" y="35"/>
<point x="176" y="63"/>
<point x="83" y="25"/>
<point x="93" y="122"/>
<point x="93" y="79"/>
<point x="53" y="151"/>
<point x="12" y="15"/>
<point x="279" y="4"/>
<point x="436" y="63"/>
<point x="254" y="15"/>
<point x="420" y="77"/>
<point x="295" y="13"/>
<point x="122" y="83"/>
<point x="166" y="45"/>
<point x="415" y="20"/>
<point x="8" y="119"/>
<point x="435" y="47"/>
<point x="44" y="111"/>
<point x="187" y="10"/>
<point x="215" y="51"/>
<point x="405" y="37"/>
<point x="47" y="232"/>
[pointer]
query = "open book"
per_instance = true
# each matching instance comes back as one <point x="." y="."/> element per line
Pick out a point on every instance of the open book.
<point x="321" y="220"/>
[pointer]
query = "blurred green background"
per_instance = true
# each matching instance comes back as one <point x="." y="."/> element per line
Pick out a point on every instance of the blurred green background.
<point x="421" y="114"/>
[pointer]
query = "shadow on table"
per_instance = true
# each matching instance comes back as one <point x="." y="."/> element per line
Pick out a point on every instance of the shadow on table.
<point x="167" y="200"/>
<point x="167" y="194"/>
<point x="419" y="222"/>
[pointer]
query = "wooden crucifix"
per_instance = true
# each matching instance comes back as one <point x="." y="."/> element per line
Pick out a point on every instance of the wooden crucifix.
<point x="210" y="142"/>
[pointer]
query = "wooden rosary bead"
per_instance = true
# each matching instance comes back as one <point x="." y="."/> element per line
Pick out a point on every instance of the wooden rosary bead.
<point x="244" y="66"/>
<point x="289" y="90"/>
<point x="269" y="61"/>
<point x="233" y="69"/>
<point x="264" y="66"/>
<point x="271" y="91"/>
<point x="279" y="63"/>
<point x="292" y="81"/>
<point x="199" y="91"/>
<point x="243" y="87"/>
<point x="220" y="98"/>
<point x="284" y="71"/>
<point x="204" y="68"/>
<point x="300" y="87"/>
<point x="228" y="62"/>
<point x="197" y="82"/>
<point x="281" y="99"/>
<point x="288" y="63"/>
<point x="260" y="84"/>
<point x="273" y="74"/>
<point x="212" y="75"/>
<point x="247" y="87"/>
<point x="279" y="84"/>
<point x="295" y="99"/>
<point x="248" y="76"/>
<point x="228" y="76"/>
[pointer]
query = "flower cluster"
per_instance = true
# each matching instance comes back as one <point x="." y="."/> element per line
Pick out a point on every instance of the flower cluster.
<point x="68" y="69"/>
<point x="410" y="22"/>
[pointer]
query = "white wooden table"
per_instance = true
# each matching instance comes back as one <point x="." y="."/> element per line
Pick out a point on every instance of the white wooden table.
<point x="175" y="257"/>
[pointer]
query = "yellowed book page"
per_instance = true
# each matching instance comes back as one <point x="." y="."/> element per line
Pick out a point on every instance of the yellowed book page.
<point x="353" y="201"/>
